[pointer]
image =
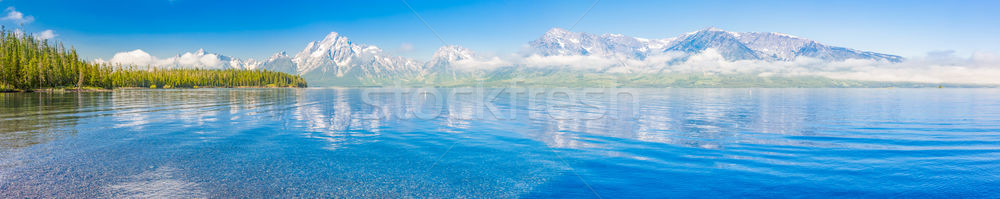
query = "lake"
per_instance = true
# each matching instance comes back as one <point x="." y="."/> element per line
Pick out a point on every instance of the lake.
<point x="502" y="143"/>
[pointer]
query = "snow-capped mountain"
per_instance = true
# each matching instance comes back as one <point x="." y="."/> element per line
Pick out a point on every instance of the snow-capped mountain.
<point x="279" y="62"/>
<point x="560" y="42"/>
<point x="452" y="61"/>
<point x="336" y="55"/>
<point x="731" y="45"/>
<point x="446" y="57"/>
<point x="726" y="43"/>
<point x="337" y="59"/>
<point x="783" y="47"/>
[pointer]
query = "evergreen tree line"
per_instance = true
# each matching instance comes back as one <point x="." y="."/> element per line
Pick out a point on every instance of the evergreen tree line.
<point x="27" y="63"/>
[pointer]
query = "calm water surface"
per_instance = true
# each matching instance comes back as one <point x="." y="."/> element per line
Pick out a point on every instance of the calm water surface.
<point x="337" y="143"/>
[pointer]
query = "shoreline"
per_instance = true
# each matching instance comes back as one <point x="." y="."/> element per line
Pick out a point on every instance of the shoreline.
<point x="88" y="90"/>
<point x="92" y="89"/>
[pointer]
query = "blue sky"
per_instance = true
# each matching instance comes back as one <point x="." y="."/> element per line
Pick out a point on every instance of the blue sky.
<point x="257" y="29"/>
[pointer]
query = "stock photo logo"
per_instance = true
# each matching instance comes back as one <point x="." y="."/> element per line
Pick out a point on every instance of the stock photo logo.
<point x="498" y="103"/>
<point x="499" y="99"/>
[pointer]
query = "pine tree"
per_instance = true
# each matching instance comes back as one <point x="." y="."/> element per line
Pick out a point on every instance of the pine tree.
<point x="27" y="63"/>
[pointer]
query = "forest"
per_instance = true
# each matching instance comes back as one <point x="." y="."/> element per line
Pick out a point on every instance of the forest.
<point x="28" y="63"/>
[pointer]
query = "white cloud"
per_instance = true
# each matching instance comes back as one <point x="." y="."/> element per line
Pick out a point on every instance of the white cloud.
<point x="136" y="57"/>
<point x="198" y="59"/>
<point x="17" y="17"/>
<point x="936" y="67"/>
<point x="47" y="34"/>
<point x="980" y="68"/>
<point x="568" y="61"/>
<point x="479" y="63"/>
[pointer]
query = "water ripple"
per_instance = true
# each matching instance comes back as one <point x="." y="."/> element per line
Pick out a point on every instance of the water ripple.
<point x="324" y="143"/>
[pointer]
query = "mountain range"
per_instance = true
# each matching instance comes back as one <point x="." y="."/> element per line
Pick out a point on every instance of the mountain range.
<point x="337" y="61"/>
<point x="731" y="45"/>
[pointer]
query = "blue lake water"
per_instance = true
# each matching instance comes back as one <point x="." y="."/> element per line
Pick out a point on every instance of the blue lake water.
<point x="638" y="143"/>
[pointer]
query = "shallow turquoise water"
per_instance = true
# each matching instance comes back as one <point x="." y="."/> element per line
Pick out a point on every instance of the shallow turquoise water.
<point x="656" y="143"/>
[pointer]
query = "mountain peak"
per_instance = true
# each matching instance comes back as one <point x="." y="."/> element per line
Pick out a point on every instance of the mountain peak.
<point x="451" y="48"/>
<point x="557" y="32"/>
<point x="784" y="35"/>
<point x="337" y="59"/>
<point x="712" y="29"/>
<point x="558" y="41"/>
<point x="716" y="32"/>
<point x="331" y="36"/>
<point x="726" y="43"/>
<point x="559" y="35"/>
<point x="279" y="54"/>
<point x="453" y="53"/>
<point x="732" y="46"/>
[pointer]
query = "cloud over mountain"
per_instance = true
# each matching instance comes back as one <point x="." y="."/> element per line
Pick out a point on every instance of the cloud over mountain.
<point x="336" y="60"/>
